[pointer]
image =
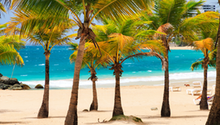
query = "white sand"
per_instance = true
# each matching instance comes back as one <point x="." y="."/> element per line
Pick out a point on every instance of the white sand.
<point x="182" y="48"/>
<point x="21" y="107"/>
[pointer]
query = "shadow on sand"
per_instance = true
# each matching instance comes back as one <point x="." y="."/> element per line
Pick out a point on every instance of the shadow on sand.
<point x="189" y="116"/>
<point x="4" y="111"/>
<point x="14" y="122"/>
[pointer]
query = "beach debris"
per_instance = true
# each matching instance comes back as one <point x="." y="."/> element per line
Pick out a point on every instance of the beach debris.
<point x="38" y="86"/>
<point x="186" y="85"/>
<point x="85" y="110"/>
<point x="103" y="121"/>
<point x="154" y="108"/>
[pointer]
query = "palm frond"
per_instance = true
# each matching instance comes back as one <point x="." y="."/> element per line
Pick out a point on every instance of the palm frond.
<point x="191" y="6"/>
<point x="13" y="40"/>
<point x="8" y="55"/>
<point x="141" y="54"/>
<point x="73" y="46"/>
<point x="195" y="65"/>
<point x="148" y="34"/>
<point x="154" y="46"/>
<point x="2" y="8"/>
<point x="170" y="11"/>
<point x="203" y="45"/>
<point x="212" y="58"/>
<point x="120" y="9"/>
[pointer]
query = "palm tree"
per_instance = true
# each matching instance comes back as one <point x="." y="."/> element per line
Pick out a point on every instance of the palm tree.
<point x="91" y="9"/>
<point x="172" y="18"/>
<point x="45" y="36"/>
<point x="121" y="44"/>
<point x="214" y="115"/>
<point x="48" y="40"/>
<point x="206" y="46"/>
<point x="8" y="50"/>
<point x="93" y="60"/>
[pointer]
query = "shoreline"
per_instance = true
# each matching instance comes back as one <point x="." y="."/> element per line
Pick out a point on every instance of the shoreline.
<point x="175" y="79"/>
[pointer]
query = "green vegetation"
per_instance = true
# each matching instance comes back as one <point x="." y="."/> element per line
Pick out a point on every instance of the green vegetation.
<point x="9" y="46"/>
<point x="127" y="118"/>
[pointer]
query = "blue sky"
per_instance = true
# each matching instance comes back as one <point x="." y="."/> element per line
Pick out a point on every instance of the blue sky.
<point x="5" y="17"/>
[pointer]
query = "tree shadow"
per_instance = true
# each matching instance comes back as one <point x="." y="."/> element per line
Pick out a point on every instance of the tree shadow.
<point x="50" y="117"/>
<point x="99" y="111"/>
<point x="173" y="117"/>
<point x="13" y="122"/>
<point x="4" y="111"/>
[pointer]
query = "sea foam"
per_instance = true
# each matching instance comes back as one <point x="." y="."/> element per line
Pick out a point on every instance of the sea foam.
<point x="182" y="77"/>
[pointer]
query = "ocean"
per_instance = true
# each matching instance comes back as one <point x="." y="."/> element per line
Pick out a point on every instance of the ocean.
<point x="142" y="71"/>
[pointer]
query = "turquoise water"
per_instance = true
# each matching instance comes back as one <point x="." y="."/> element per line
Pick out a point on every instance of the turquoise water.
<point x="145" y="69"/>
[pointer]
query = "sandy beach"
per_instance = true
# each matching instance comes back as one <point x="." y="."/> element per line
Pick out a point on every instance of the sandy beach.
<point x="21" y="107"/>
<point x="181" y="48"/>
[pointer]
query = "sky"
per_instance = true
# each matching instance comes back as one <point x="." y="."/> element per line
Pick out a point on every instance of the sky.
<point x="5" y="17"/>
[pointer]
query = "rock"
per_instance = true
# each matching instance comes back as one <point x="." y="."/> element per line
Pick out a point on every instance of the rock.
<point x="39" y="86"/>
<point x="4" y="78"/>
<point x="154" y="108"/>
<point x="13" y="81"/>
<point x="15" y="87"/>
<point x="85" y="110"/>
<point x="9" y="81"/>
<point x="25" y="87"/>
<point x="4" y="86"/>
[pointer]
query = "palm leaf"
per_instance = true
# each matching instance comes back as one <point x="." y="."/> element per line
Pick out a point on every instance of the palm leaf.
<point x="2" y="8"/>
<point x="8" y="55"/>
<point x="191" y="6"/>
<point x="204" y="45"/>
<point x="195" y="65"/>
<point x="13" y="40"/>
<point x="170" y="11"/>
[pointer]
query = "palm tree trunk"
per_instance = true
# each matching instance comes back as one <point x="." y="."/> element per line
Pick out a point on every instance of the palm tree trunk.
<point x="44" y="110"/>
<point x="117" y="105"/>
<point x="165" y="110"/>
<point x="94" y="105"/>
<point x="71" y="118"/>
<point x="214" y="114"/>
<point x="204" y="104"/>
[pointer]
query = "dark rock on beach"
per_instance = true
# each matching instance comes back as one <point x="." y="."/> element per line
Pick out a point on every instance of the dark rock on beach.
<point x="4" y="86"/>
<point x="39" y="86"/>
<point x="11" y="83"/>
<point x="15" y="87"/>
<point x="25" y="87"/>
